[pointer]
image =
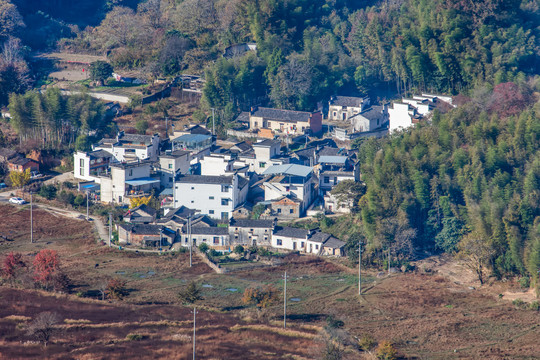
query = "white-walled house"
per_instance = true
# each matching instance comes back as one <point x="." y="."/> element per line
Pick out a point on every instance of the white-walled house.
<point x="217" y="164"/>
<point x="345" y="107"/>
<point x="291" y="180"/>
<point x="172" y="163"/>
<point x="410" y="111"/>
<point x="289" y="238"/>
<point x="127" y="180"/>
<point x="251" y="232"/>
<point x="89" y="166"/>
<point x="402" y="116"/>
<point x="131" y="147"/>
<point x="215" y="237"/>
<point x="215" y="196"/>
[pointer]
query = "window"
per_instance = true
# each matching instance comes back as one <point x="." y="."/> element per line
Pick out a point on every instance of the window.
<point x="224" y="215"/>
<point x="170" y="166"/>
<point x="82" y="171"/>
<point x="326" y="179"/>
<point x="377" y="121"/>
<point x="192" y="201"/>
<point x="279" y="242"/>
<point x="335" y="114"/>
<point x="211" y="198"/>
<point x="216" y="239"/>
<point x="262" y="164"/>
<point x="251" y="230"/>
<point x="192" y="188"/>
<point x="211" y="212"/>
<point x="266" y="238"/>
<point x="130" y="172"/>
<point x="225" y="202"/>
<point x="301" y="244"/>
<point x="316" y="247"/>
<point x="224" y="188"/>
<point x="335" y="180"/>
<point x="291" y="211"/>
<point x="170" y="178"/>
<point x="81" y="162"/>
<point x="255" y="124"/>
<point x="279" y="211"/>
<point x="204" y="240"/>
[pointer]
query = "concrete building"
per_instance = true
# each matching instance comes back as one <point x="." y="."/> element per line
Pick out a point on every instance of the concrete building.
<point x="289" y="238"/>
<point x="334" y="169"/>
<point x="345" y="107"/>
<point x="144" y="235"/>
<point x="215" y="196"/>
<point x="127" y="180"/>
<point x="90" y="165"/>
<point x="250" y="232"/>
<point x="131" y="147"/>
<point x="215" y="237"/>
<point x="292" y="180"/>
<point x="286" y="122"/>
<point x="171" y="164"/>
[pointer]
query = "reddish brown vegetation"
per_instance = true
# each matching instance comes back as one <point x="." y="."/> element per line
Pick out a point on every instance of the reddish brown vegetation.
<point x="46" y="265"/>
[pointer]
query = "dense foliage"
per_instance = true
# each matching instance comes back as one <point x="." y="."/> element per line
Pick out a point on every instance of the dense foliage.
<point x="53" y="119"/>
<point x="471" y="174"/>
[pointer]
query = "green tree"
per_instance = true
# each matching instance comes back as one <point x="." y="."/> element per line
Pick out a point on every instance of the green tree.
<point x="100" y="71"/>
<point x="190" y="294"/>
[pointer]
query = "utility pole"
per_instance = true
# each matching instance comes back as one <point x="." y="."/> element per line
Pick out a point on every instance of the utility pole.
<point x="190" y="240"/>
<point x="87" y="217"/>
<point x="194" y="322"/>
<point x="31" y="221"/>
<point x="388" y="261"/>
<point x="359" y="268"/>
<point x="110" y="229"/>
<point x="285" y="301"/>
<point x="213" y="122"/>
<point x="166" y="128"/>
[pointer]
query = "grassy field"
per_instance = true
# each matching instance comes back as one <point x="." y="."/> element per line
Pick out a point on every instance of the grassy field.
<point x="425" y="316"/>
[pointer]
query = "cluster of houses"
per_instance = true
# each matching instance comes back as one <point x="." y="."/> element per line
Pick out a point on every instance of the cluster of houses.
<point x="210" y="182"/>
<point x="187" y="227"/>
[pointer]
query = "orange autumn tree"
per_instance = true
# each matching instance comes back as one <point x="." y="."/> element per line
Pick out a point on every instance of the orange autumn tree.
<point x="260" y="297"/>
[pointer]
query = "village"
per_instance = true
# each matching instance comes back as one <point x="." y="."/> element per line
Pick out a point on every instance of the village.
<point x="276" y="168"/>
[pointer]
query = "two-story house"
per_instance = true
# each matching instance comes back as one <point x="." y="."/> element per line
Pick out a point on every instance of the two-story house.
<point x="335" y="168"/>
<point x="127" y="180"/>
<point x="172" y="163"/>
<point x="215" y="196"/>
<point x="291" y="181"/>
<point x="344" y="107"/>
<point x="251" y="232"/>
<point x="90" y="165"/>
<point x="131" y="147"/>
<point x="286" y="122"/>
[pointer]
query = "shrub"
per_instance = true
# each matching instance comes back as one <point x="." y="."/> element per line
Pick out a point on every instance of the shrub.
<point x="334" y="323"/>
<point x="386" y="351"/>
<point x="190" y="294"/>
<point x="48" y="192"/>
<point x="134" y="337"/>
<point x="66" y="197"/>
<point x="79" y="200"/>
<point x="238" y="249"/>
<point x="535" y="305"/>
<point x="525" y="282"/>
<point x="366" y="342"/>
<point x="116" y="289"/>
<point x="46" y="266"/>
<point x="260" y="297"/>
<point x="213" y="253"/>
<point x="518" y="303"/>
<point x="203" y="247"/>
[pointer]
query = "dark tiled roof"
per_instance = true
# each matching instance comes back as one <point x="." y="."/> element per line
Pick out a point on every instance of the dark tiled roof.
<point x="100" y="154"/>
<point x="174" y="154"/>
<point x="267" y="143"/>
<point x="280" y="114"/>
<point x="146" y="139"/>
<point x="197" y="129"/>
<point x="373" y="113"/>
<point x="249" y="223"/>
<point x="319" y="237"/>
<point x="207" y="230"/>
<point x="328" y="151"/>
<point x="205" y="179"/>
<point x="347" y="101"/>
<point x="241" y="146"/>
<point x="291" y="232"/>
<point x="182" y="212"/>
<point x="132" y="164"/>
<point x="144" y="208"/>
<point x="243" y="117"/>
<point x="242" y="182"/>
<point x="143" y="229"/>
<point x="334" y="243"/>
<point x="21" y="161"/>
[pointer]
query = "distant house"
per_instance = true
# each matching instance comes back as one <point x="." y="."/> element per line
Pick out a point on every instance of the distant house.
<point x="290" y="238"/>
<point x="7" y="154"/>
<point x="368" y="121"/>
<point x="198" y="145"/>
<point x="321" y="243"/>
<point x="131" y="147"/>
<point x="172" y="163"/>
<point x="215" y="237"/>
<point x="296" y="182"/>
<point x="178" y="220"/>
<point x="251" y="232"/>
<point x="21" y="164"/>
<point x="286" y="122"/>
<point x="90" y="165"/>
<point x="334" y="169"/>
<point x="345" y="107"/>
<point x="409" y="111"/>
<point x="238" y="50"/>
<point x="215" y="196"/>
<point x="142" y="214"/>
<point x="127" y="180"/>
<point x="143" y="235"/>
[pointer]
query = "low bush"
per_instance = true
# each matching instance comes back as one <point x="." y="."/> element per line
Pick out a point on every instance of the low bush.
<point x="386" y="351"/>
<point x="334" y="323"/>
<point x="525" y="282"/>
<point x="535" y="305"/>
<point x="367" y="342"/>
<point x="518" y="303"/>
<point x="134" y="337"/>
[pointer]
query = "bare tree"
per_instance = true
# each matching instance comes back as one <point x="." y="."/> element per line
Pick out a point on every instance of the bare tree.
<point x="42" y="327"/>
<point x="476" y="252"/>
<point x="10" y="19"/>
